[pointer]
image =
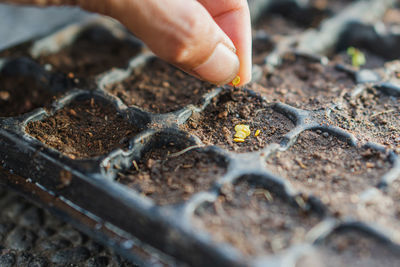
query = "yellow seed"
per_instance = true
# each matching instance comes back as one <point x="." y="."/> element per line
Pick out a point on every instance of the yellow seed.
<point x="241" y="134"/>
<point x="236" y="81"/>
<point x="257" y="133"/>
<point x="238" y="140"/>
<point x="243" y="128"/>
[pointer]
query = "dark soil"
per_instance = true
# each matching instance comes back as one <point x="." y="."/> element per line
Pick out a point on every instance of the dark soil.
<point x="352" y="249"/>
<point x="93" y="52"/>
<point x="170" y="179"/>
<point x="262" y="46"/>
<point x="31" y="237"/>
<point x="84" y="129"/>
<point x="372" y="116"/>
<point x="254" y="220"/>
<point x="304" y="84"/>
<point x="160" y="88"/>
<point x="323" y="166"/>
<point x="22" y="94"/>
<point x="215" y="125"/>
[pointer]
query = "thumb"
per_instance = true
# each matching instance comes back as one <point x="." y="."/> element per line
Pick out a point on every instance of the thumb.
<point x="181" y="32"/>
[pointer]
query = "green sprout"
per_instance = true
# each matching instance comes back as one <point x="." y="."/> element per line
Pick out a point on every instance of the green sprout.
<point x="357" y="57"/>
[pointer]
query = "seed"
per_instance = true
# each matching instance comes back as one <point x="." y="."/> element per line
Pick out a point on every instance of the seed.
<point x="236" y="81"/>
<point x="240" y="134"/>
<point x="257" y="133"/>
<point x="243" y="128"/>
<point x="238" y="140"/>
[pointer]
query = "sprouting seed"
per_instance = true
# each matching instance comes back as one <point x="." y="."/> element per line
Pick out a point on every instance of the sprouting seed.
<point x="257" y="133"/>
<point x="236" y="81"/>
<point x="357" y="57"/>
<point x="238" y="140"/>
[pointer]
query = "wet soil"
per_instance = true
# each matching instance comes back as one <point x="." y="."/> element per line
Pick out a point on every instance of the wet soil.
<point x="372" y="116"/>
<point x="171" y="178"/>
<point x="254" y="220"/>
<point x="352" y="249"/>
<point x="304" y="84"/>
<point x="93" y="52"/>
<point x="22" y="94"/>
<point x="339" y="175"/>
<point x="215" y="125"/>
<point x="84" y="129"/>
<point x="160" y="88"/>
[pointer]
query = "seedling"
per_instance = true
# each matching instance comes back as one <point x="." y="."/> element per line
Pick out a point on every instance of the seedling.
<point x="357" y="57"/>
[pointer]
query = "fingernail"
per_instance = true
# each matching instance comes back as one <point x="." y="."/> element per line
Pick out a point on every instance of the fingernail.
<point x="221" y="67"/>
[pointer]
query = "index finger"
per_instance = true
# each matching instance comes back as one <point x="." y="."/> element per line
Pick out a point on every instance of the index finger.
<point x="233" y="17"/>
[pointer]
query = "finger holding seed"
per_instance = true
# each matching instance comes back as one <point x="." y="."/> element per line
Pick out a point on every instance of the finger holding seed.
<point x="206" y="38"/>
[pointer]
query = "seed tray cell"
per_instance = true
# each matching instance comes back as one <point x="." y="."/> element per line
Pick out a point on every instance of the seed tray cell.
<point x="87" y="127"/>
<point x="25" y="86"/>
<point x="371" y="116"/>
<point x="215" y="124"/>
<point x="169" y="175"/>
<point x="254" y="220"/>
<point x="304" y="83"/>
<point x="351" y="246"/>
<point x="156" y="174"/>
<point x="160" y="88"/>
<point x="92" y="52"/>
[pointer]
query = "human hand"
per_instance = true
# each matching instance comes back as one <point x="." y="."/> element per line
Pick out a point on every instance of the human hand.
<point x="210" y="39"/>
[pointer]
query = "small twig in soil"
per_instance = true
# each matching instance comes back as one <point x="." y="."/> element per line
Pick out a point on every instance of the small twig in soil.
<point x="177" y="154"/>
<point x="381" y="113"/>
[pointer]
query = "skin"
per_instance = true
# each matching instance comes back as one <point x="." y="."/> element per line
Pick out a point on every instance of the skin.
<point x="210" y="39"/>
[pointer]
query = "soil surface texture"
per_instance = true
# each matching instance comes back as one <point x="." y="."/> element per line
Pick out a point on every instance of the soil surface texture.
<point x="372" y="117"/>
<point x="352" y="249"/>
<point x="254" y="220"/>
<point x="304" y="84"/>
<point x="93" y="52"/>
<point x="216" y="124"/>
<point x="84" y="129"/>
<point x="171" y="178"/>
<point x="22" y="94"/>
<point x="160" y="88"/>
<point x="341" y="176"/>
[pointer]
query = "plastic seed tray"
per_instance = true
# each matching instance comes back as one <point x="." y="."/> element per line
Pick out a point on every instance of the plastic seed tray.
<point x="141" y="156"/>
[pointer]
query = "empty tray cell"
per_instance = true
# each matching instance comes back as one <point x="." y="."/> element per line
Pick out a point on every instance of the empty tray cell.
<point x="22" y="88"/>
<point x="372" y="116"/>
<point x="160" y="88"/>
<point x="336" y="173"/>
<point x="94" y="51"/>
<point x="304" y="84"/>
<point x="352" y="249"/>
<point x="254" y="220"/>
<point x="216" y="124"/>
<point x="87" y="127"/>
<point x="169" y="175"/>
